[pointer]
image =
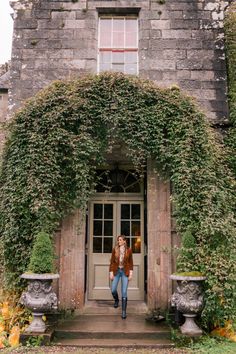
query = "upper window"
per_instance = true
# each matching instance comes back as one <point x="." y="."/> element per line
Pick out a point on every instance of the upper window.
<point x="118" y="44"/>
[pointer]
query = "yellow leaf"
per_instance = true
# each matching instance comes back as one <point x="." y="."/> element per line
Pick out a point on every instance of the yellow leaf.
<point x="1" y="343"/>
<point x="14" y="336"/>
<point x="2" y="327"/>
<point x="5" y="310"/>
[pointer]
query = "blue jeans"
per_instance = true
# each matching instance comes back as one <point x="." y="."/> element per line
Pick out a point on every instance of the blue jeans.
<point x="124" y="282"/>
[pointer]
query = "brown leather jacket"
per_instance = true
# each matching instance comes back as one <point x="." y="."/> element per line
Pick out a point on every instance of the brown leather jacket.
<point x="128" y="262"/>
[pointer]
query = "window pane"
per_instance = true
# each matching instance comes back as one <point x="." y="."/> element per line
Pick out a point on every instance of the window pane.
<point x="118" y="57"/>
<point x="135" y="188"/>
<point x="131" y="57"/>
<point x="136" y="245"/>
<point x="97" y="228"/>
<point x="97" y="211"/>
<point x="97" y="245"/>
<point x="104" y="67"/>
<point x="125" y="211"/>
<point x="107" y="245"/>
<point x="119" y="24"/>
<point x="125" y="228"/>
<point x="131" y="40"/>
<point x="108" y="211"/>
<point x="131" y="25"/>
<point x="118" y="40"/>
<point x="105" y="41"/>
<point x="105" y="33"/>
<point x="105" y="25"/>
<point x="105" y="57"/>
<point x="131" y="69"/>
<point x="135" y="211"/>
<point x="118" y="67"/>
<point x="135" y="228"/>
<point x="108" y="228"/>
<point x="117" y="189"/>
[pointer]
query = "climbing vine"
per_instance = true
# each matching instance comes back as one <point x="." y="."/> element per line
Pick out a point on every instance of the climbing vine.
<point x="230" y="41"/>
<point x="59" y="138"/>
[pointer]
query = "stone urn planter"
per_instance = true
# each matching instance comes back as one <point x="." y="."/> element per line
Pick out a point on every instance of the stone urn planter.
<point x="39" y="298"/>
<point x="188" y="299"/>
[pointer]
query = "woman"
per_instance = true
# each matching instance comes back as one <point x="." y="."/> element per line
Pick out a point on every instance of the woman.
<point x="121" y="267"/>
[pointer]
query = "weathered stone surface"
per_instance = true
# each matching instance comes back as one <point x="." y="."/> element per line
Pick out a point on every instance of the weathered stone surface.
<point x="181" y="42"/>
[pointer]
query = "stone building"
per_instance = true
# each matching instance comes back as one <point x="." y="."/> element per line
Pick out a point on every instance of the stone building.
<point x="167" y="41"/>
<point x="4" y="86"/>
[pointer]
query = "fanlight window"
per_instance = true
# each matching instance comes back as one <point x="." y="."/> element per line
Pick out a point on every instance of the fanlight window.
<point x="118" y="181"/>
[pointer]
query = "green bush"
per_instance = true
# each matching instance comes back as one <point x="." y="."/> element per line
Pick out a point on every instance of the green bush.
<point x="42" y="256"/>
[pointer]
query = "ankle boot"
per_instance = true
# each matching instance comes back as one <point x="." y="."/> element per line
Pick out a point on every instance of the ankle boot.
<point x="116" y="298"/>
<point x="124" y="306"/>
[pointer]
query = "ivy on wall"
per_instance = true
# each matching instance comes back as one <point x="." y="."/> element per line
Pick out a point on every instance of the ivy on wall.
<point x="60" y="136"/>
<point x="230" y="41"/>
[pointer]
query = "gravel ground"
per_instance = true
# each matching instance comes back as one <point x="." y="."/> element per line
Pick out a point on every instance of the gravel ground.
<point x="74" y="350"/>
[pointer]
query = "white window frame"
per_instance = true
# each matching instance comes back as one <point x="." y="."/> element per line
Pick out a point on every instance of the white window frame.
<point x="117" y="49"/>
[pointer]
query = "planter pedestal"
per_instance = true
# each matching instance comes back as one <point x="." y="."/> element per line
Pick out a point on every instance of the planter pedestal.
<point x="189" y="327"/>
<point x="188" y="299"/>
<point x="39" y="298"/>
<point x="37" y="325"/>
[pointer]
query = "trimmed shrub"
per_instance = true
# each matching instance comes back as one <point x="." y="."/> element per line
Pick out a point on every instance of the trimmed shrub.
<point x="42" y="256"/>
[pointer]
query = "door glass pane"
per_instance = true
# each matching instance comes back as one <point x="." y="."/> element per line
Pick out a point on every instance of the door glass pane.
<point x="136" y="245"/>
<point x="108" y="211"/>
<point x="108" y="228"/>
<point x="135" y="228"/>
<point x="97" y="211"/>
<point x="135" y="211"/>
<point x="125" y="228"/>
<point x="97" y="244"/>
<point x="107" y="244"/>
<point x="125" y="211"/>
<point x="128" y="241"/>
<point x="97" y="228"/>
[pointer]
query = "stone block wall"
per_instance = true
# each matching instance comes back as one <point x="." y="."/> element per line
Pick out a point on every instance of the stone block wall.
<point x="180" y="42"/>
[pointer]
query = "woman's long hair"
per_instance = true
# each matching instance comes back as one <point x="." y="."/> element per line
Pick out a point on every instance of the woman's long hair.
<point x="117" y="248"/>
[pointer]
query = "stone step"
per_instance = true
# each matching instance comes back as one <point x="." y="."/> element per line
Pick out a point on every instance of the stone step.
<point x="111" y="327"/>
<point x="106" y="307"/>
<point x="117" y="343"/>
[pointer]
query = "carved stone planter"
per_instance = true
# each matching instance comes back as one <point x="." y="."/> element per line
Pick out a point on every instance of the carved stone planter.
<point x="188" y="299"/>
<point x="39" y="298"/>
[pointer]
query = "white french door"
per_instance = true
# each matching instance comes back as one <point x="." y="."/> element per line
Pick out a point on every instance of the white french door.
<point x="107" y="220"/>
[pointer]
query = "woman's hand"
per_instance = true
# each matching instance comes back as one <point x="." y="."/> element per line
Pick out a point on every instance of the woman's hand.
<point x="130" y="277"/>
<point x="111" y="276"/>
